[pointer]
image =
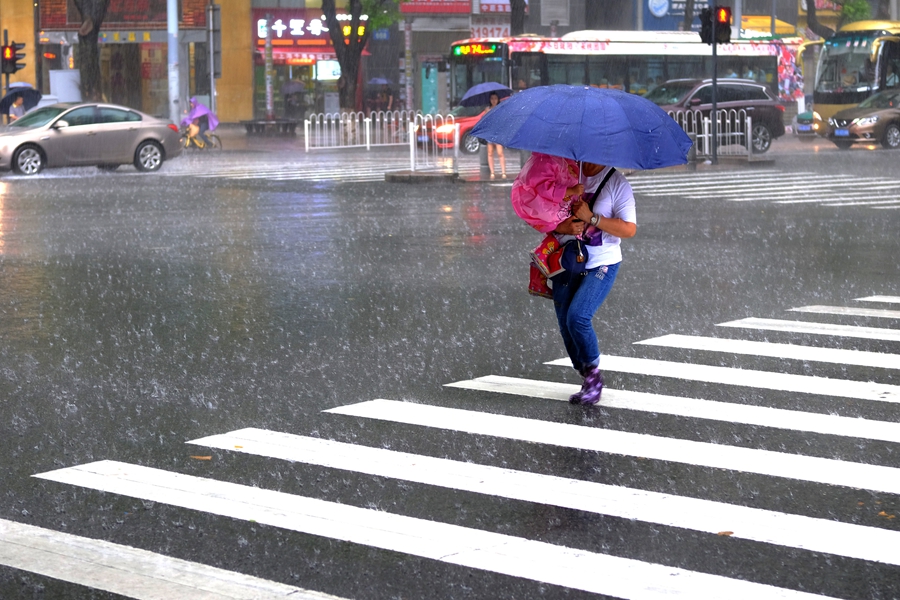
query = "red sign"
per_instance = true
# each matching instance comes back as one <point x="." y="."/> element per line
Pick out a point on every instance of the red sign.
<point x="436" y="6"/>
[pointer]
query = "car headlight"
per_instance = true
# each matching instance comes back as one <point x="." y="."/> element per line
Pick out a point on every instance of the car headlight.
<point x="831" y="121"/>
<point x="866" y="120"/>
<point x="817" y="116"/>
<point x="448" y="128"/>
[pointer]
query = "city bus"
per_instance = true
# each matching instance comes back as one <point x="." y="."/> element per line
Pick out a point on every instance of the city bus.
<point x="860" y="59"/>
<point x="633" y="61"/>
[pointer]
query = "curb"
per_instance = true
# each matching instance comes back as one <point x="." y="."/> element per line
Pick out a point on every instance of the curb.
<point x="420" y="177"/>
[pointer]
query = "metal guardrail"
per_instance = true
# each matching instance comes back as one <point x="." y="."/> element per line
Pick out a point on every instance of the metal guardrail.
<point x="433" y="140"/>
<point x="356" y="129"/>
<point x="734" y="129"/>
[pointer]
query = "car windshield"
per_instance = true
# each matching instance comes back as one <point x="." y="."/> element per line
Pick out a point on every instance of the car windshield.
<point x="845" y="64"/>
<point x="882" y="100"/>
<point x="39" y="117"/>
<point x="669" y="93"/>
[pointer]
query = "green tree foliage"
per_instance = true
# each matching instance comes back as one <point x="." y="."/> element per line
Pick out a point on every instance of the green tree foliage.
<point x="348" y="48"/>
<point x="93" y="12"/>
<point x="855" y="10"/>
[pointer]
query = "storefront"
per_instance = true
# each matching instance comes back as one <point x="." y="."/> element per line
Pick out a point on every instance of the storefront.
<point x="305" y="70"/>
<point x="133" y="52"/>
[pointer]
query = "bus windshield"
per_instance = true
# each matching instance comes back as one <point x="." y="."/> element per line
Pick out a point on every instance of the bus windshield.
<point x="845" y="64"/>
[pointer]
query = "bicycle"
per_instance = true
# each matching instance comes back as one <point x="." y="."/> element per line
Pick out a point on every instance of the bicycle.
<point x="191" y="141"/>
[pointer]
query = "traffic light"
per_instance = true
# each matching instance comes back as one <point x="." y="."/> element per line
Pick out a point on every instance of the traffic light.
<point x="723" y="25"/>
<point x="706" y="26"/>
<point x="10" y="57"/>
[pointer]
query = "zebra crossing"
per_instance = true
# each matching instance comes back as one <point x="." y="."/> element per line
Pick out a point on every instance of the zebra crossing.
<point x="818" y="535"/>
<point x="773" y="186"/>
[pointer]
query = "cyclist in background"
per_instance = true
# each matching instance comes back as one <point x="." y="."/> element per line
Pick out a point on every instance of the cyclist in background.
<point x="199" y="121"/>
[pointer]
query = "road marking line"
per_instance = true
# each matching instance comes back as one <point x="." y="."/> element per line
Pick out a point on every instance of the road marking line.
<point x="766" y="380"/>
<point x="453" y="544"/>
<point x="704" y="454"/>
<point x="850" y="311"/>
<point x="695" y="408"/>
<point x="868" y="333"/>
<point x="129" y="571"/>
<point x="791" y="351"/>
<point x="886" y="299"/>
<point x="770" y="527"/>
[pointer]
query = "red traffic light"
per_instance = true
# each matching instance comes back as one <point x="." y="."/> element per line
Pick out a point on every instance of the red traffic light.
<point x="9" y="53"/>
<point x="723" y="15"/>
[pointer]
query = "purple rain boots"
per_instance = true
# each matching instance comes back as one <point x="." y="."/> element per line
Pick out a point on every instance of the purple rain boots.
<point x="590" y="389"/>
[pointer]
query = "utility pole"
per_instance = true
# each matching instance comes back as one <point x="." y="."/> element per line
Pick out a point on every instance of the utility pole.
<point x="174" y="87"/>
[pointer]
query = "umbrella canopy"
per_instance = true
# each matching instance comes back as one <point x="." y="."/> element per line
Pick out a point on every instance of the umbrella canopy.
<point x="379" y="81"/>
<point x="480" y="95"/>
<point x="602" y="126"/>
<point x="30" y="95"/>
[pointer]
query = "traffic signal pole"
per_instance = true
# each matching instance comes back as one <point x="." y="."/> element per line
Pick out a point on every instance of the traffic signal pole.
<point x="715" y="113"/>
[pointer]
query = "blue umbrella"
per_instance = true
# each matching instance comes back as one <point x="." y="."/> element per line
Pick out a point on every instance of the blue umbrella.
<point x="480" y="95"/>
<point x="602" y="126"/>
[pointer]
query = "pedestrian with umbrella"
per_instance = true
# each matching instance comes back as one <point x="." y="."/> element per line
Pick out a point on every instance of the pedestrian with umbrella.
<point x="603" y="129"/>
<point x="488" y="93"/>
<point x="18" y="101"/>
<point x="17" y="109"/>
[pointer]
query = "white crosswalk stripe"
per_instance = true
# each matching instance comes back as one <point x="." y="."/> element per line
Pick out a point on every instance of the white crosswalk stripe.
<point x="509" y="555"/>
<point x="776" y="186"/>
<point x="557" y="563"/>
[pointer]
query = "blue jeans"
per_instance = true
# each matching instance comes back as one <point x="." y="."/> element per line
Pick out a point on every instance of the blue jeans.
<point x="576" y="299"/>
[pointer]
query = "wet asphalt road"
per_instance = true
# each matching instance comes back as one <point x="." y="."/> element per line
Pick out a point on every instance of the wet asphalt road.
<point x="142" y="311"/>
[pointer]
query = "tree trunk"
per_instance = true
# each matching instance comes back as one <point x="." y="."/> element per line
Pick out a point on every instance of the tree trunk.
<point x="516" y="17"/>
<point x="688" y="15"/>
<point x="93" y="12"/>
<point x="813" y="22"/>
<point x="348" y="49"/>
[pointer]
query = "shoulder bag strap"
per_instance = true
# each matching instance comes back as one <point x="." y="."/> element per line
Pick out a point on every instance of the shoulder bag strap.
<point x="599" y="189"/>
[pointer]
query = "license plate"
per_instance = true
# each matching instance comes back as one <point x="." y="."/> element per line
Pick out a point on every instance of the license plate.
<point x="423" y="138"/>
<point x="841" y="133"/>
<point x="804" y="127"/>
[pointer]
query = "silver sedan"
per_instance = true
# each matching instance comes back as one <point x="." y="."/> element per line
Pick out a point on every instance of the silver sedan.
<point x="106" y="135"/>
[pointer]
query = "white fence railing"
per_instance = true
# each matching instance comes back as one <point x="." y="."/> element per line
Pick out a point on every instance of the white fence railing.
<point x="734" y="131"/>
<point x="433" y="140"/>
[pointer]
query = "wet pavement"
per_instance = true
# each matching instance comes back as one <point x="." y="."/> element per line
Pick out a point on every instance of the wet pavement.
<point x="141" y="312"/>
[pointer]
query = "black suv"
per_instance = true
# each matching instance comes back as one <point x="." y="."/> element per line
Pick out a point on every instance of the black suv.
<point x="766" y="112"/>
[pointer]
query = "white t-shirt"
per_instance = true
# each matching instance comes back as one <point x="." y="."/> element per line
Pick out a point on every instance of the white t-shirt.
<point x="616" y="201"/>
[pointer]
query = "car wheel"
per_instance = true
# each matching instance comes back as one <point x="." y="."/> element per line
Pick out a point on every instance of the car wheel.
<point x="891" y="136"/>
<point x="28" y="160"/>
<point x="843" y="145"/>
<point x="148" y="156"/>
<point x="471" y="144"/>
<point x="109" y="168"/>
<point x="761" y="138"/>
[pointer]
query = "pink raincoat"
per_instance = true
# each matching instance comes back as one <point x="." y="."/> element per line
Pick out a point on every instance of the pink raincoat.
<point x="538" y="192"/>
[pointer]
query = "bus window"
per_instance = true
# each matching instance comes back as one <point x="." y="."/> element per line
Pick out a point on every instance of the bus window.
<point x="685" y="67"/>
<point x="526" y="71"/>
<point x="607" y="71"/>
<point x="565" y="69"/>
<point x="890" y="60"/>
<point x="491" y="69"/>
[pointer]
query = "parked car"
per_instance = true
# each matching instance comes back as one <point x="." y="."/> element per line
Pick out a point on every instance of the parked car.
<point x="876" y="119"/>
<point x="74" y="134"/>
<point x="466" y="117"/>
<point x="805" y="125"/>
<point x="766" y="112"/>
